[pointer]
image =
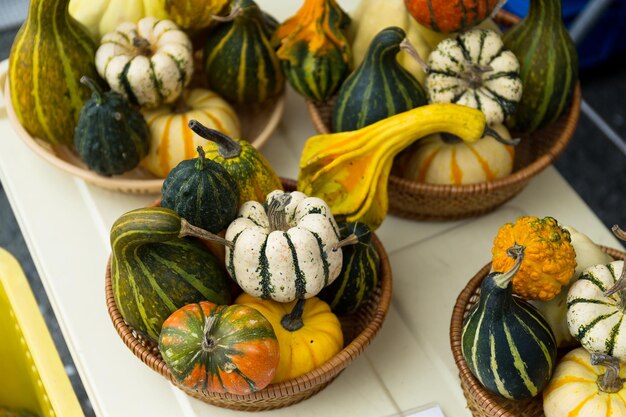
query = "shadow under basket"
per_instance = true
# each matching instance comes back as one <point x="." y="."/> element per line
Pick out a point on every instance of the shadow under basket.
<point x="481" y="402"/>
<point x="359" y="329"/>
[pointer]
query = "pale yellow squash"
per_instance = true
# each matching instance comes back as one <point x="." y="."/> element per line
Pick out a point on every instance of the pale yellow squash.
<point x="171" y="140"/>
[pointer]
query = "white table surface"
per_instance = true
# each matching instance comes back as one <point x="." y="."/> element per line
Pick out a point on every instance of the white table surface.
<point x="409" y="365"/>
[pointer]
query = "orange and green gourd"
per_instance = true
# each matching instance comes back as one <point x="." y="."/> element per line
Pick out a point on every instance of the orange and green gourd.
<point x="314" y="50"/>
<point x="49" y="55"/>
<point x="450" y="16"/>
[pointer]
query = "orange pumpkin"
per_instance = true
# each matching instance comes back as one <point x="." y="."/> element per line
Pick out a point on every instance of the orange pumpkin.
<point x="450" y="15"/>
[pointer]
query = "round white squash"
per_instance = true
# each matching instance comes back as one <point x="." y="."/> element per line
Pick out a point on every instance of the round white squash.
<point x="149" y="62"/>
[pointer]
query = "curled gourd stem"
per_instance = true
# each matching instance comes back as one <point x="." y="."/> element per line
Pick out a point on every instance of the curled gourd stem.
<point x="293" y="321"/>
<point x="141" y="44"/>
<point x="226" y="147"/>
<point x="608" y="382"/>
<point x="208" y="343"/>
<point x="620" y="284"/>
<point x="408" y="47"/>
<point x="188" y="229"/>
<point x="276" y="212"/>
<point x="516" y="252"/>
<point x="95" y="88"/>
<point x="494" y="134"/>
<point x="350" y="240"/>
<point x="234" y="14"/>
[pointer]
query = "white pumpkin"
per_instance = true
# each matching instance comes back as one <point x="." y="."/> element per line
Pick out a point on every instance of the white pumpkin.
<point x="581" y="387"/>
<point x="149" y="63"/>
<point x="595" y="319"/>
<point x="291" y="251"/>
<point x="438" y="159"/>
<point x="475" y="70"/>
<point x="555" y="310"/>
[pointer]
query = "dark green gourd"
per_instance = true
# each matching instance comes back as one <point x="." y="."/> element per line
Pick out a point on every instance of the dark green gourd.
<point x="155" y="270"/>
<point x="507" y="344"/>
<point x="49" y="55"/>
<point x="202" y="192"/>
<point x="359" y="271"/>
<point x="549" y="65"/>
<point x="111" y="136"/>
<point x="380" y="87"/>
<point x="239" y="60"/>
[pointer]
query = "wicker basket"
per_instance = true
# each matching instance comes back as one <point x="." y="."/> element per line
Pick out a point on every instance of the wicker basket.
<point x="451" y="202"/>
<point x="359" y="329"/>
<point x="481" y="402"/>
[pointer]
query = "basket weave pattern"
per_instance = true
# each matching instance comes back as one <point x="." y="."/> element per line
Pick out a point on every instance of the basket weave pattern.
<point x="481" y="402"/>
<point x="359" y="329"/>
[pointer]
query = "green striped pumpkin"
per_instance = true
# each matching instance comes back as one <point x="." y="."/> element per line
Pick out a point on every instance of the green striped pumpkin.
<point x="359" y="271"/>
<point x="507" y="344"/>
<point x="154" y="271"/>
<point x="49" y="55"/>
<point x="253" y="174"/>
<point x="595" y="319"/>
<point x="211" y="348"/>
<point x="202" y="192"/>
<point x="380" y="87"/>
<point x="111" y="136"/>
<point x="239" y="61"/>
<point x="313" y="49"/>
<point x="548" y="65"/>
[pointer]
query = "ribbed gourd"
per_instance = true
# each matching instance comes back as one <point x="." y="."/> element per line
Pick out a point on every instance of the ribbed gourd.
<point x="239" y="60"/>
<point x="313" y="49"/>
<point x="202" y="192"/>
<point x="111" y="136"/>
<point x="359" y="271"/>
<point x="49" y="55"/>
<point x="507" y="344"/>
<point x="253" y="174"/>
<point x="548" y="65"/>
<point x="155" y="270"/>
<point x="450" y="16"/>
<point x="380" y="87"/>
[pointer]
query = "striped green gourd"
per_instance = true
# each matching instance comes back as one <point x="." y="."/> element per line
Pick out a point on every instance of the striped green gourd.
<point x="380" y="87"/>
<point x="155" y="270"/>
<point x="359" y="271"/>
<point x="253" y="174"/>
<point x="239" y="61"/>
<point x="314" y="50"/>
<point x="111" y="136"/>
<point x="507" y="344"/>
<point x="548" y="64"/>
<point x="49" y="55"/>
<point x="202" y="192"/>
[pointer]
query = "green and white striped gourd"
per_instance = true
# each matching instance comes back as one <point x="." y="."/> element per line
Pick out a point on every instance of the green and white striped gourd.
<point x="239" y="61"/>
<point x="549" y="65"/>
<point x="284" y="250"/>
<point x="595" y="317"/>
<point x="149" y="62"/>
<point x="507" y="344"/>
<point x="380" y="87"/>
<point x="474" y="69"/>
<point x="155" y="270"/>
<point x="49" y="55"/>
<point x="359" y="271"/>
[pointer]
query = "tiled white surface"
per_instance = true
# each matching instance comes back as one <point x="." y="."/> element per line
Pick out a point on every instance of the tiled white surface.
<point x="66" y="222"/>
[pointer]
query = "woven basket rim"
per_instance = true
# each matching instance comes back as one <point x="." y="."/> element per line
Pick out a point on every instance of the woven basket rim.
<point x="322" y="374"/>
<point x="489" y="402"/>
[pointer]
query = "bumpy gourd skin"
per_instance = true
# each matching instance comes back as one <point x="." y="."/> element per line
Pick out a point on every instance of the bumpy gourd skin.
<point x="549" y="261"/>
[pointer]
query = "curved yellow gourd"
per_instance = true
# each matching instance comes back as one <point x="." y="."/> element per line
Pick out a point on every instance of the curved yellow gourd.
<point x="349" y="170"/>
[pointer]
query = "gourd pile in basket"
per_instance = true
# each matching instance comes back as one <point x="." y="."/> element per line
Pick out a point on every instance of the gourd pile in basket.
<point x="550" y="288"/>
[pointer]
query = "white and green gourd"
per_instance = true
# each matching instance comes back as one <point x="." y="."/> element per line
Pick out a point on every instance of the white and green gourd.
<point x="474" y="69"/>
<point x="284" y="250"/>
<point x="149" y="62"/>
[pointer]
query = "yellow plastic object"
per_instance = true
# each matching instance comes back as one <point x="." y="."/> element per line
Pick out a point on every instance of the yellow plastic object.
<point x="32" y="377"/>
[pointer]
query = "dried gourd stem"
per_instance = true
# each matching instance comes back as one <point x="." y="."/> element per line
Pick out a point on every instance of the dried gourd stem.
<point x="608" y="382"/>
<point x="201" y="159"/>
<point x="180" y="105"/>
<point x="620" y="284"/>
<point x="494" y="134"/>
<point x="516" y="252"/>
<point x="408" y="47"/>
<point x="350" y="240"/>
<point x="188" y="229"/>
<point x="293" y="321"/>
<point x="474" y="74"/>
<point x="141" y="44"/>
<point x="276" y="212"/>
<point x="235" y="12"/>
<point x="619" y="232"/>
<point x="226" y="147"/>
<point x="94" y="87"/>
<point x="208" y="343"/>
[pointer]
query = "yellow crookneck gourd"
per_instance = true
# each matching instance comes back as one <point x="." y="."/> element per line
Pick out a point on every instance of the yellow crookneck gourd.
<point x="349" y="170"/>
